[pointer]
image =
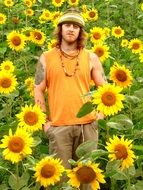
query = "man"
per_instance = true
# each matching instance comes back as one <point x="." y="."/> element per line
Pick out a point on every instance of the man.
<point x="66" y="72"/>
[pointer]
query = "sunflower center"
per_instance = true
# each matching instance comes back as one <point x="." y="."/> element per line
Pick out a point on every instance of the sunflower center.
<point x="108" y="99"/>
<point x="37" y="35"/>
<point x="7" y="67"/>
<point x="121" y="76"/>
<point x="92" y="14"/>
<point x="118" y="31"/>
<point x="30" y="118"/>
<point x="1" y="18"/>
<point x="58" y="1"/>
<point x="96" y="35"/>
<point x="73" y="1"/>
<point x="8" y="2"/>
<point x="121" y="152"/>
<point x="47" y="14"/>
<point x="16" y="144"/>
<point x="85" y="174"/>
<point x="99" y="52"/>
<point x="47" y="171"/>
<point x="16" y="40"/>
<point x="5" y="82"/>
<point x="135" y="46"/>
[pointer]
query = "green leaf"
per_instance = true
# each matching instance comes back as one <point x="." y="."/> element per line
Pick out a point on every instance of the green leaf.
<point x="97" y="153"/>
<point x="85" y="109"/>
<point x="85" y="148"/>
<point x="120" y="122"/>
<point x="112" y="167"/>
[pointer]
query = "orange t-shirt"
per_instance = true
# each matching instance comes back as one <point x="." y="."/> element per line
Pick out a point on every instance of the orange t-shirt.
<point x="65" y="94"/>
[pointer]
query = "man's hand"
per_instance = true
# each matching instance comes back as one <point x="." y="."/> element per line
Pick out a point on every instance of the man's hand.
<point x="46" y="126"/>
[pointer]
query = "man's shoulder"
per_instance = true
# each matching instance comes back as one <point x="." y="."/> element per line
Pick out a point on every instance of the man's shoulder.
<point x="50" y="52"/>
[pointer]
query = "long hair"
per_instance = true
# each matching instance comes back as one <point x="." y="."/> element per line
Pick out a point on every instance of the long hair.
<point x="81" y="40"/>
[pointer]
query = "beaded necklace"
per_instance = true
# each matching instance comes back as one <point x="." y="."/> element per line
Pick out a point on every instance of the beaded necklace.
<point x="62" y="53"/>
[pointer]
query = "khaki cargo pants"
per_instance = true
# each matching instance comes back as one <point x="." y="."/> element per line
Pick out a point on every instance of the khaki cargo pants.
<point x="64" y="140"/>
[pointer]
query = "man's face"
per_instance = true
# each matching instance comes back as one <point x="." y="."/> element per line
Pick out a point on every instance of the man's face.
<point x="70" y="32"/>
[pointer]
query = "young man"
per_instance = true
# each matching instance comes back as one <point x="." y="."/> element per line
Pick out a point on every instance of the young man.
<point x="66" y="72"/>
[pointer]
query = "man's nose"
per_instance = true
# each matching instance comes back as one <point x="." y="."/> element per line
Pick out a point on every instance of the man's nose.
<point x="71" y="27"/>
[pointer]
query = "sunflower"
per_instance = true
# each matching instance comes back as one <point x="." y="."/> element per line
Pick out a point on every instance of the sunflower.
<point x="102" y="51"/>
<point x="121" y="75"/>
<point x="52" y="44"/>
<point x="141" y="57"/>
<point x="8" y="82"/>
<point x="28" y="3"/>
<point x="7" y="66"/>
<point x="26" y="32"/>
<point x="73" y="2"/>
<point x="86" y="173"/>
<point x="107" y="31"/>
<point x="17" y="145"/>
<point x="92" y="14"/>
<point x="46" y="15"/>
<point x="57" y="3"/>
<point x="117" y="31"/>
<point x="97" y="34"/>
<point x="8" y="3"/>
<point x="29" y="82"/>
<point x="37" y="37"/>
<point x="124" y="43"/>
<point x="55" y="17"/>
<point x="121" y="149"/>
<point x="48" y="171"/>
<point x="16" y="41"/>
<point x="108" y="99"/>
<point x="142" y="6"/>
<point x="2" y="18"/>
<point x="29" y="12"/>
<point x="135" y="45"/>
<point x="31" y="118"/>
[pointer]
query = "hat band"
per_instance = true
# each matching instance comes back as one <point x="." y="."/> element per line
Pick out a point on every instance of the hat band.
<point x="72" y="18"/>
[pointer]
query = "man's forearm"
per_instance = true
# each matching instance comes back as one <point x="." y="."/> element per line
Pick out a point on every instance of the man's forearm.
<point x="40" y="99"/>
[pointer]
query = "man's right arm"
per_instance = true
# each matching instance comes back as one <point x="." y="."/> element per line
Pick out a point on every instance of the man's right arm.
<point x="40" y="83"/>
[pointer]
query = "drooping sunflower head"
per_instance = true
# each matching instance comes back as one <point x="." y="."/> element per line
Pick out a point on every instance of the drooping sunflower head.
<point x="102" y="51"/>
<point x="8" y="3"/>
<point x="121" y="149"/>
<point x="7" y="66"/>
<point x="31" y="118"/>
<point x="16" y="41"/>
<point x="108" y="99"/>
<point x="135" y="45"/>
<point x="8" y="82"/>
<point x="37" y="37"/>
<point x="48" y="171"/>
<point x="57" y="3"/>
<point x="121" y="75"/>
<point x="2" y="18"/>
<point x="92" y="14"/>
<point x="16" y="146"/>
<point x="117" y="31"/>
<point x="86" y="173"/>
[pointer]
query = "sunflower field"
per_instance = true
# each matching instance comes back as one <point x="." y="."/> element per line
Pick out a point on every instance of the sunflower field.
<point x="115" y="33"/>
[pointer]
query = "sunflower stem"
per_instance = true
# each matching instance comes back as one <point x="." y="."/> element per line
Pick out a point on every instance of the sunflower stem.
<point x="17" y="175"/>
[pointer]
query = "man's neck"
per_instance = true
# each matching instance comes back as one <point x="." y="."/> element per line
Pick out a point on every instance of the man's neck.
<point x="68" y="47"/>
